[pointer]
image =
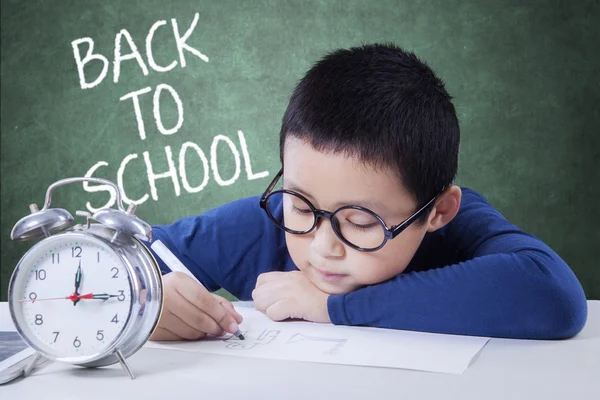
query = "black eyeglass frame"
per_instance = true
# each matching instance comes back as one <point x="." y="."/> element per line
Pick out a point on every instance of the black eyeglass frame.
<point x="389" y="233"/>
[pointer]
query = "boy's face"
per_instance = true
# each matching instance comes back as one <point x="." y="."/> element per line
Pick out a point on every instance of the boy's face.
<point x="330" y="181"/>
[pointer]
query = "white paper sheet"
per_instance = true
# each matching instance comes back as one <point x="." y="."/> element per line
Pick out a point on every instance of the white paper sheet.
<point x="326" y="343"/>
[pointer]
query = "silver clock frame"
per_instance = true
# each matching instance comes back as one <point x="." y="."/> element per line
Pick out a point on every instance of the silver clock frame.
<point x="118" y="230"/>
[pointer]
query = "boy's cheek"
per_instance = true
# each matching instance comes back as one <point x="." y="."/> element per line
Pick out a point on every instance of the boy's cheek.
<point x="377" y="273"/>
<point x="390" y="261"/>
<point x="297" y="248"/>
<point x="363" y="268"/>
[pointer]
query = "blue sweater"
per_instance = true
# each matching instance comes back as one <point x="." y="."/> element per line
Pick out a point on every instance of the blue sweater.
<point x="478" y="275"/>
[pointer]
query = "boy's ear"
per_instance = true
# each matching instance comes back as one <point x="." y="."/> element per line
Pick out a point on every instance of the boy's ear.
<point x="445" y="209"/>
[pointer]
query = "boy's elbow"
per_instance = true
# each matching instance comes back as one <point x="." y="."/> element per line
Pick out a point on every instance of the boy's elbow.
<point x="569" y="312"/>
<point x="552" y="301"/>
<point x="563" y="303"/>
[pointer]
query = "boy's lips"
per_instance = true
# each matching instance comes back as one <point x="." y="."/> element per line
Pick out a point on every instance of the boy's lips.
<point x="328" y="276"/>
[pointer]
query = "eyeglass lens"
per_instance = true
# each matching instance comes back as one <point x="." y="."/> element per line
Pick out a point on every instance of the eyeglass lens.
<point x="360" y="228"/>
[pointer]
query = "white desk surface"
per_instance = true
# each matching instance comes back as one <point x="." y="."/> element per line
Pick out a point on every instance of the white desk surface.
<point x="505" y="369"/>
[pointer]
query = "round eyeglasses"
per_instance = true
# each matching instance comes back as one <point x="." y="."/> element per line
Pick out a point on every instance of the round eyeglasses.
<point x="356" y="226"/>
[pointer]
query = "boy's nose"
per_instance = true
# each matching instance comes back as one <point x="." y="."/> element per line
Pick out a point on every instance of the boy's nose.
<point x="325" y="242"/>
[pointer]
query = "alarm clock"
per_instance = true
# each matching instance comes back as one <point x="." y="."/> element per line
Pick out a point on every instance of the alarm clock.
<point x="85" y="294"/>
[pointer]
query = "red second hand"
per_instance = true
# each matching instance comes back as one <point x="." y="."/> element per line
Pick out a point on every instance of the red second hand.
<point x="75" y="296"/>
<point x="34" y="300"/>
<point x="72" y="297"/>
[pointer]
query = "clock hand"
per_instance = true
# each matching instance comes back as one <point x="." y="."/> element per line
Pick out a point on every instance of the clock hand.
<point x="75" y="297"/>
<point x="104" y="296"/>
<point x="95" y="296"/>
<point x="77" y="282"/>
<point x="53" y="298"/>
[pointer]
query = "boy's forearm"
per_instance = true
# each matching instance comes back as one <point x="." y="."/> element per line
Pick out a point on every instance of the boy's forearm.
<point x="227" y="247"/>
<point x="501" y="295"/>
<point x="182" y="255"/>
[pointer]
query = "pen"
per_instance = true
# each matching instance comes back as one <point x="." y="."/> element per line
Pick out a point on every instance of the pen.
<point x="175" y="265"/>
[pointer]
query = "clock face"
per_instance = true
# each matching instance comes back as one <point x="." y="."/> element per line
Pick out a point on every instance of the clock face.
<point x="71" y="296"/>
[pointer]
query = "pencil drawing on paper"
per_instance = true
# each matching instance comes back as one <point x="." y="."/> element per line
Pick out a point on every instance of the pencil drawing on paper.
<point x="301" y="341"/>
<point x="335" y="349"/>
<point x="265" y="337"/>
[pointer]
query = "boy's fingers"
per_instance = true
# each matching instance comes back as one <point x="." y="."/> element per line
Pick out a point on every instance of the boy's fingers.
<point x="179" y="327"/>
<point x="229" y="307"/>
<point x="192" y="316"/>
<point x="203" y="300"/>
<point x="163" y="334"/>
<point x="264" y="297"/>
<point x="268" y="276"/>
<point x="278" y="311"/>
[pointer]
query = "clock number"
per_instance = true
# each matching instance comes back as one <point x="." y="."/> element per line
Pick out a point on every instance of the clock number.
<point x="76" y="251"/>
<point x="56" y="260"/>
<point x="121" y="295"/>
<point x="76" y="342"/>
<point x="116" y="275"/>
<point x="100" y="335"/>
<point x="32" y="296"/>
<point x="115" y="319"/>
<point x="39" y="319"/>
<point x="98" y="256"/>
<point x="40" y="275"/>
<point x="56" y="336"/>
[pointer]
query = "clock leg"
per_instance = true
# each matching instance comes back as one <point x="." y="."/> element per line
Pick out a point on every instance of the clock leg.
<point x="124" y="364"/>
<point x="32" y="364"/>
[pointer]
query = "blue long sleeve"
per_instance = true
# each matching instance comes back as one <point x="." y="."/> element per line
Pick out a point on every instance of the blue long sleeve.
<point x="510" y="284"/>
<point x="228" y="246"/>
<point x="479" y="275"/>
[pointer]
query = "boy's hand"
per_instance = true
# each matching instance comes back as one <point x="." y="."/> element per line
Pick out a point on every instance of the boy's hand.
<point x="283" y="295"/>
<point x="191" y="312"/>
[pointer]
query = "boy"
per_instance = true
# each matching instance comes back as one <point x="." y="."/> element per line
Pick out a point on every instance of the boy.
<point x="369" y="228"/>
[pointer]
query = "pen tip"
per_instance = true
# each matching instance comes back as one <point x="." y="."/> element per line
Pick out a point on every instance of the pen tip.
<point x="238" y="334"/>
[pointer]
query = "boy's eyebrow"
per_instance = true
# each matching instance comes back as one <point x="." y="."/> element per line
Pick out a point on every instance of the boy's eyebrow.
<point x="291" y="186"/>
<point x="376" y="206"/>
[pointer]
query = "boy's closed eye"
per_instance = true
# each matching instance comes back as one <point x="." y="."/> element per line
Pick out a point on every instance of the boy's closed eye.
<point x="362" y="226"/>
<point x="301" y="210"/>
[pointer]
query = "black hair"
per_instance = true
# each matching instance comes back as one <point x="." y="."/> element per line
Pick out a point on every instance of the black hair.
<point x="383" y="105"/>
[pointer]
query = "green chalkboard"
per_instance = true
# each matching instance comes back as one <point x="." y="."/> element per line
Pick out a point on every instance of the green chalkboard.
<point x="210" y="81"/>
